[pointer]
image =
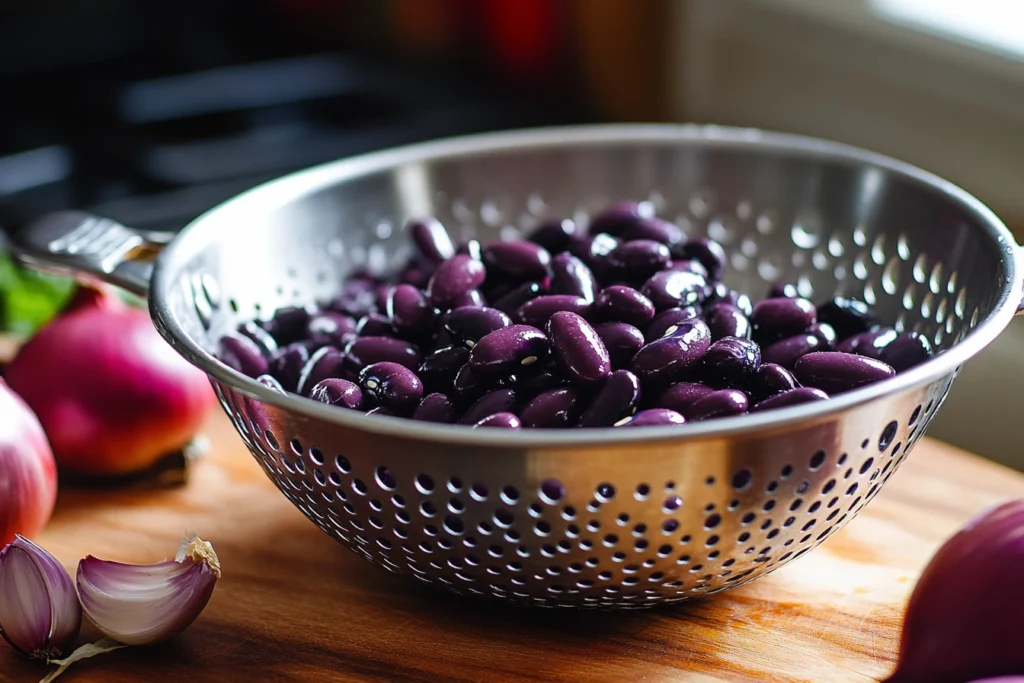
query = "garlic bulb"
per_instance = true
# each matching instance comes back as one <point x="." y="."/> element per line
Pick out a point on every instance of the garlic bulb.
<point x="145" y="604"/>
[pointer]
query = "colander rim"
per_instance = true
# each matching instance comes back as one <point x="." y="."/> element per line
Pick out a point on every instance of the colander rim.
<point x="280" y="191"/>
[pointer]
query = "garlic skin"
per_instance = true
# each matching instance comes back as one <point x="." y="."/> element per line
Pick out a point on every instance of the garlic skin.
<point x="147" y="604"/>
<point x="39" y="611"/>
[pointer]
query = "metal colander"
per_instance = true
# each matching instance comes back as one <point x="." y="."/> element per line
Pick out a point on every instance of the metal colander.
<point x="609" y="517"/>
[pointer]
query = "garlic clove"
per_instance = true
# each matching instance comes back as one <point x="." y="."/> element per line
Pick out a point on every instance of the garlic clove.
<point x="39" y="611"/>
<point x="146" y="604"/>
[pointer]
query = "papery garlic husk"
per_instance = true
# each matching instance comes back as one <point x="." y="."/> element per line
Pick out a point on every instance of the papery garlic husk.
<point x="39" y="611"/>
<point x="147" y="604"/>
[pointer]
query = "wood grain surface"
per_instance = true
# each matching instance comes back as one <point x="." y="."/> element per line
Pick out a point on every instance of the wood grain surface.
<point x="296" y="606"/>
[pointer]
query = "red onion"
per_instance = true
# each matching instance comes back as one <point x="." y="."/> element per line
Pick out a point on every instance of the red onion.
<point x="111" y="394"/>
<point x="965" y="619"/>
<point x="28" y="474"/>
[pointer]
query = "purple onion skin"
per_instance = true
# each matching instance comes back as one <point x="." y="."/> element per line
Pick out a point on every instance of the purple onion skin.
<point x="965" y="619"/>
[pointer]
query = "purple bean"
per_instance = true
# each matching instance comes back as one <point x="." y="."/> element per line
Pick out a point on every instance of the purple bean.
<point x="847" y="316"/>
<point x="834" y="372"/>
<point x="356" y="299"/>
<point x="578" y="349"/>
<point x="537" y="312"/>
<point x="331" y="329"/>
<point x="416" y="274"/>
<point x="454" y="278"/>
<point x="435" y="408"/>
<point x="365" y="351"/>
<point x="783" y="290"/>
<point x="517" y="260"/>
<point x="717" y="404"/>
<point x="408" y="310"/>
<point x="619" y="303"/>
<point x="286" y="365"/>
<point x="468" y="386"/>
<point x="788" y="351"/>
<point x="669" y="359"/>
<point x="668" y="319"/>
<point x="722" y="294"/>
<point x="652" y="417"/>
<point x="639" y="259"/>
<point x="617" y="398"/>
<point x="505" y="350"/>
<point x="569" y="275"/>
<point x="536" y="379"/>
<point x="510" y="303"/>
<point x="338" y="392"/>
<point x="825" y="334"/>
<point x="594" y="251"/>
<point x="654" y="229"/>
<point x="438" y="370"/>
<point x="473" y="297"/>
<point x="392" y="386"/>
<point x="432" y="239"/>
<point x="790" y="398"/>
<point x="498" y="401"/>
<point x="241" y="353"/>
<point x="380" y="296"/>
<point x="870" y="344"/>
<point x="554" y="235"/>
<point x="263" y="339"/>
<point x="622" y="341"/>
<point x="731" y="362"/>
<point x="769" y="380"/>
<point x="469" y="324"/>
<point x="727" y="320"/>
<point x="327" y="363"/>
<point x="709" y="252"/>
<point x="907" y="350"/>
<point x="374" y="325"/>
<point x="501" y="421"/>
<point x="289" y="324"/>
<point x="271" y="383"/>
<point x="551" y="409"/>
<point x="617" y="218"/>
<point x="440" y="338"/>
<point x="675" y="289"/>
<point x="691" y="266"/>
<point x="680" y="396"/>
<point x="781" y="317"/>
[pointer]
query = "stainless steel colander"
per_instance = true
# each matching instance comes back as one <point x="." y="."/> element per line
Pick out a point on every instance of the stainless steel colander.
<point x="609" y="517"/>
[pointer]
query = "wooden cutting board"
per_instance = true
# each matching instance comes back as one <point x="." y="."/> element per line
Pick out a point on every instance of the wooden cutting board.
<point x="296" y="606"/>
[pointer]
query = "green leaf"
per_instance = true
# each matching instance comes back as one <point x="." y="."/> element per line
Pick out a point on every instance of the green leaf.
<point x="28" y="299"/>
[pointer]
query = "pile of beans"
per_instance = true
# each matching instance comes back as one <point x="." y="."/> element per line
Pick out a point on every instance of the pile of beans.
<point x="625" y="324"/>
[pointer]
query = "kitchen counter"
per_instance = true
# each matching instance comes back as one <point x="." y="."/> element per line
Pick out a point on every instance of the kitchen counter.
<point x="293" y="605"/>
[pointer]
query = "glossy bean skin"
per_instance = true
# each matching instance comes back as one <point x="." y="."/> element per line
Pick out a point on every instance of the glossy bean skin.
<point x="505" y="350"/>
<point x="471" y="248"/>
<point x="667" y="319"/>
<point x="709" y="252"/>
<point x="500" y="421"/>
<point x="519" y="260"/>
<point x="907" y="350"/>
<point x="617" y="398"/>
<point x="619" y="303"/>
<point x="570" y="275"/>
<point x="408" y="310"/>
<point x="356" y="299"/>
<point x="783" y="290"/>
<point x="721" y="293"/>
<point x="578" y="349"/>
<point x="834" y="372"/>
<point x="468" y="386"/>
<point x="731" y="362"/>
<point x="652" y="417"/>
<point x="454" y="278"/>
<point x="416" y="274"/>
<point x="328" y="328"/>
<point x="468" y="324"/>
<point x="241" y="353"/>
<point x="781" y="317"/>
<point x="622" y="341"/>
<point x="846" y="316"/>
<point x="723" y="403"/>
<point x="826" y="334"/>
<point x="536" y="379"/>
<point x="727" y="320"/>
<point x="327" y="363"/>
<point x="870" y="344"/>
<point x="618" y="218"/>
<point x="392" y="386"/>
<point x="338" y="392"/>
<point x="437" y="371"/>
<point x="555" y="235"/>
<point x="654" y="229"/>
<point x="435" y="408"/>
<point x="537" y="312"/>
<point x="639" y="259"/>
<point x="431" y="239"/>
<point x="263" y="339"/>
<point x="552" y="409"/>
<point x="503" y="400"/>
<point x="769" y="380"/>
<point x="792" y="397"/>
<point x="365" y="351"/>
<point x="286" y="365"/>
<point x="473" y="297"/>
<point x="594" y="250"/>
<point x="289" y="324"/>
<point x="680" y="396"/>
<point x="374" y="325"/>
<point x="669" y="359"/>
<point x="675" y="289"/>
<point x="509" y="303"/>
<point x="788" y="351"/>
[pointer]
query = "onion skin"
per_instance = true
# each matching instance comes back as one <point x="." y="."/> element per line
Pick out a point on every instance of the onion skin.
<point x="111" y="394"/>
<point x="28" y="473"/>
<point x="965" y="618"/>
